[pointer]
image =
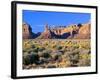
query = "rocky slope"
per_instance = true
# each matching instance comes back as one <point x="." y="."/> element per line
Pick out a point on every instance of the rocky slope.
<point x="84" y="32"/>
<point x="71" y="32"/>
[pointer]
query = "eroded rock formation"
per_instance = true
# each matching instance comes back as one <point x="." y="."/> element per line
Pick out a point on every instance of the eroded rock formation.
<point x="79" y="31"/>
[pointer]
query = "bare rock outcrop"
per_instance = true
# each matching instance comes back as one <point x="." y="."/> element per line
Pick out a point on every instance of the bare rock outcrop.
<point x="47" y="34"/>
<point x="27" y="31"/>
<point x="79" y="31"/>
<point x="84" y="32"/>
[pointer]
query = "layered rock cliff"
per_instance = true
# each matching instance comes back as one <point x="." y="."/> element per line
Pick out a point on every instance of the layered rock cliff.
<point x="79" y="31"/>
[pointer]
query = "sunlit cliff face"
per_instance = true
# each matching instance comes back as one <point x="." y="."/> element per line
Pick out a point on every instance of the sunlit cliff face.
<point x="26" y="31"/>
<point x="73" y="31"/>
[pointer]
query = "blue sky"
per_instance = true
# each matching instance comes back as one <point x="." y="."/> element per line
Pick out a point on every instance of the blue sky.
<point x="38" y="19"/>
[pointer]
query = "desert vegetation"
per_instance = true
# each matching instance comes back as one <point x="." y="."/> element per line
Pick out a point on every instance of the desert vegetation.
<point x="56" y="53"/>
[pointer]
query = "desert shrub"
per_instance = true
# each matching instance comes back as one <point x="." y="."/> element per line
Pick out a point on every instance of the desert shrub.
<point x="53" y="46"/>
<point x="24" y="50"/>
<point x="41" y="53"/>
<point x="89" y="51"/>
<point x="41" y="60"/>
<point x="35" y="49"/>
<point x="76" y="46"/>
<point x="55" y="56"/>
<point x="86" y="46"/>
<point x="32" y="46"/>
<point x="41" y="49"/>
<point x="38" y="49"/>
<point x="73" y="57"/>
<point x="34" y="58"/>
<point x="30" y="58"/>
<point x="85" y="59"/>
<point x="26" y="60"/>
<point x="46" y="55"/>
<point x="59" y="47"/>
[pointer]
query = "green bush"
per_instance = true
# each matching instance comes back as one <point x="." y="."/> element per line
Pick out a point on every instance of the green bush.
<point x="46" y="54"/>
<point x="74" y="57"/>
<point x="30" y="58"/>
<point x="26" y="60"/>
<point x="41" y="49"/>
<point x="36" y="50"/>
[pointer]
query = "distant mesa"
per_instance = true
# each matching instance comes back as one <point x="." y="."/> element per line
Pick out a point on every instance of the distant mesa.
<point x="79" y="31"/>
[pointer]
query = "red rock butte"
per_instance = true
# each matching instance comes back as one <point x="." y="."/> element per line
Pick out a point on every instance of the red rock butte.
<point x="76" y="31"/>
